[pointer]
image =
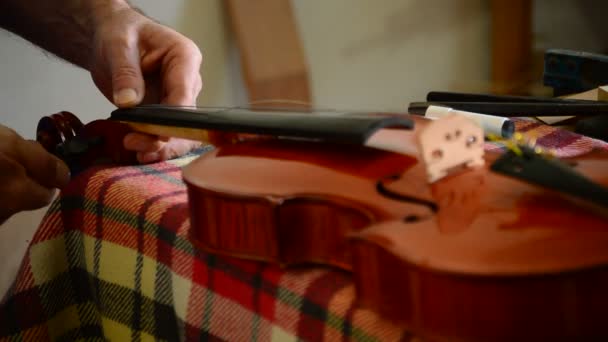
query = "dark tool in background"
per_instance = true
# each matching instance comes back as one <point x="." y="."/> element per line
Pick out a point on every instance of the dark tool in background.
<point x="566" y="72"/>
<point x="569" y="72"/>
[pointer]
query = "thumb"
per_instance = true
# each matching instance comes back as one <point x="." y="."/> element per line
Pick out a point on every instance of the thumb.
<point x="127" y="80"/>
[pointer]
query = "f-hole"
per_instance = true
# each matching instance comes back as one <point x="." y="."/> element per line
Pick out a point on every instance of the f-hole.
<point x="384" y="191"/>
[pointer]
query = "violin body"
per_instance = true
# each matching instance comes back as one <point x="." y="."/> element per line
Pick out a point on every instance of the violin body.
<point x="474" y="255"/>
<point x="523" y="263"/>
<point x="286" y="202"/>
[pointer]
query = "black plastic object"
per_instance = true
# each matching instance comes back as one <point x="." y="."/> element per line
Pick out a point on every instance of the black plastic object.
<point x="439" y="96"/>
<point x="594" y="127"/>
<point x="550" y="173"/>
<point x="569" y="71"/>
<point x="514" y="109"/>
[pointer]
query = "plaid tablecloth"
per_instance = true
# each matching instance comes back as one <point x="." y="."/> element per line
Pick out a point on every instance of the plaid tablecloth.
<point x="112" y="261"/>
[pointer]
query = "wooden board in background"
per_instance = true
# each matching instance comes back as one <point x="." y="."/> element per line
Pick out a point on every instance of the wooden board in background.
<point x="272" y="57"/>
<point x="511" y="22"/>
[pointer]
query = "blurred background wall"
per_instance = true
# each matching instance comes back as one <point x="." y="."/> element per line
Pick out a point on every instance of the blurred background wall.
<point x="362" y="54"/>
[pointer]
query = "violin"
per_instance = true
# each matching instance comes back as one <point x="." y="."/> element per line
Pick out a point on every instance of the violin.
<point x="100" y="141"/>
<point x="440" y="237"/>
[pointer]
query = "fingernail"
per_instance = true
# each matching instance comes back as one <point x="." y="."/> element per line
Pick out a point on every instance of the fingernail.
<point x="125" y="97"/>
<point x="62" y="174"/>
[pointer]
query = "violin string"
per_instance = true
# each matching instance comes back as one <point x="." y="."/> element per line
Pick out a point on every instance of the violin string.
<point x="287" y="101"/>
<point x="309" y="105"/>
<point x="290" y="105"/>
<point x="278" y="100"/>
<point x="512" y="144"/>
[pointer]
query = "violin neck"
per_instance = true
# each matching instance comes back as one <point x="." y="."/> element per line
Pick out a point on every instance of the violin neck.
<point x="200" y="123"/>
<point x="161" y="130"/>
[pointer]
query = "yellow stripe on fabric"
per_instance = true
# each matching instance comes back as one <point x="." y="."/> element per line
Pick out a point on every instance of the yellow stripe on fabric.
<point x="115" y="331"/>
<point x="117" y="265"/>
<point x="181" y="295"/>
<point x="280" y="335"/>
<point x="89" y="249"/>
<point x="41" y="253"/>
<point x="148" y="277"/>
<point x="63" y="322"/>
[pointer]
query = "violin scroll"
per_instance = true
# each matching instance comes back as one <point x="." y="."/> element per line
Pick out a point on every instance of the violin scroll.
<point x="54" y="130"/>
<point x="81" y="146"/>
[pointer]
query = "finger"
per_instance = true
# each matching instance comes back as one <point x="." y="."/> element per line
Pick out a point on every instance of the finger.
<point x="148" y="157"/>
<point x="181" y="76"/>
<point x="172" y="149"/>
<point x="153" y="93"/>
<point x="30" y="195"/>
<point x="142" y="142"/>
<point x="127" y="80"/>
<point x="43" y="167"/>
<point x="24" y="193"/>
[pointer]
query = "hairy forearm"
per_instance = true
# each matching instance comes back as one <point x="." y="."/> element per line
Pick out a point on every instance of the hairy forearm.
<point x="65" y="28"/>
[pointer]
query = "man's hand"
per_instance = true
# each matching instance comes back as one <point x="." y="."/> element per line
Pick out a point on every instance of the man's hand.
<point x="136" y="60"/>
<point x="132" y="59"/>
<point x="29" y="174"/>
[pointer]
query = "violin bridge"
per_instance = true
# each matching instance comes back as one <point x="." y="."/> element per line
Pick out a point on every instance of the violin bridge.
<point x="450" y="143"/>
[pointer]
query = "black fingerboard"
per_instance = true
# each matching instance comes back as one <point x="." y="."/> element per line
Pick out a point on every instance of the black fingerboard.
<point x="330" y="126"/>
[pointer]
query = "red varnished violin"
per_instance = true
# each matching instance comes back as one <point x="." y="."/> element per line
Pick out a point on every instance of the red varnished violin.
<point x="440" y="237"/>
